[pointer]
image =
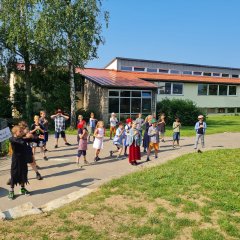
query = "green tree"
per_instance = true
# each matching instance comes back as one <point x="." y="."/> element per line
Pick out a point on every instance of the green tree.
<point x="17" y="35"/>
<point x="72" y="29"/>
<point x="5" y="103"/>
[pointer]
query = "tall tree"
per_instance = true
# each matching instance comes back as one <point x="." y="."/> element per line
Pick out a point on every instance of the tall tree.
<point x="72" y="29"/>
<point x="17" y="30"/>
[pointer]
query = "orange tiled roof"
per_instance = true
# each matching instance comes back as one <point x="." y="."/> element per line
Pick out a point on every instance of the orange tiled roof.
<point x="114" y="78"/>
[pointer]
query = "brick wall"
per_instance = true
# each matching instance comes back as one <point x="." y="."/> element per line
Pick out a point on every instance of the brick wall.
<point x="95" y="98"/>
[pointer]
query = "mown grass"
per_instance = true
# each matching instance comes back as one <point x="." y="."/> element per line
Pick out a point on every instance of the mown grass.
<point x="215" y="124"/>
<point x="195" y="196"/>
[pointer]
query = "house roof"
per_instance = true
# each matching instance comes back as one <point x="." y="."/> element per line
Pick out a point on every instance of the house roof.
<point x="125" y="79"/>
<point x="113" y="78"/>
<point x="174" y="63"/>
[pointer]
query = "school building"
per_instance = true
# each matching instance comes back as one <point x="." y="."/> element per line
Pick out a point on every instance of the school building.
<point x="128" y="86"/>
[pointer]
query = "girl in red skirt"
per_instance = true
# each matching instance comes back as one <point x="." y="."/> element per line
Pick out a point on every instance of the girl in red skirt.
<point x="134" y="144"/>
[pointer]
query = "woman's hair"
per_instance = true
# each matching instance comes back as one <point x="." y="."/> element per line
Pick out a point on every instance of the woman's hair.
<point x="80" y="116"/>
<point x="36" y="116"/>
<point x="15" y="129"/>
<point x="99" y="122"/>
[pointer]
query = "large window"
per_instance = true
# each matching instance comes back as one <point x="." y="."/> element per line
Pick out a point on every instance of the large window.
<point x="130" y="102"/>
<point x="170" y="88"/>
<point x="202" y="89"/>
<point x="214" y="89"/>
<point x="223" y="89"/>
<point x="160" y="70"/>
<point x="126" y="68"/>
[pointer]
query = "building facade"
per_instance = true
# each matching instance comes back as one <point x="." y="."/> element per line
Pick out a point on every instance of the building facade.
<point x="214" y="89"/>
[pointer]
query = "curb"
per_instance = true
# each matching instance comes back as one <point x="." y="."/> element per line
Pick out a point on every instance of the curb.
<point x="28" y="208"/>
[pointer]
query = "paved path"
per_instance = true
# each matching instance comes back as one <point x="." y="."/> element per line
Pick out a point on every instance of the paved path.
<point x="61" y="176"/>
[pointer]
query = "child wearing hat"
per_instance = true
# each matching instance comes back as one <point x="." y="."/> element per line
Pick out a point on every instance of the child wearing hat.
<point x="200" y="128"/>
<point x="153" y="133"/>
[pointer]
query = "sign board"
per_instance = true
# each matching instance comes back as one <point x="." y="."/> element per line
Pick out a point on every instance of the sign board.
<point x="5" y="134"/>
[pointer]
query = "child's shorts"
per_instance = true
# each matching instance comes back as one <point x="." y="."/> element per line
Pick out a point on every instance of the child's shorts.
<point x="153" y="145"/>
<point x="82" y="152"/>
<point x="118" y="146"/>
<point x="58" y="133"/>
<point x="176" y="136"/>
<point x="38" y="144"/>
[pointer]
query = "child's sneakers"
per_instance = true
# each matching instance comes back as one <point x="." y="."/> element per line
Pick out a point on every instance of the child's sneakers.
<point x="11" y="195"/>
<point x="24" y="191"/>
<point x="156" y="156"/>
<point x="86" y="162"/>
<point x="147" y="159"/>
<point x="111" y="153"/>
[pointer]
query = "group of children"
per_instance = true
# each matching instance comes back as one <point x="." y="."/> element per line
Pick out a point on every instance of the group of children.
<point x="128" y="136"/>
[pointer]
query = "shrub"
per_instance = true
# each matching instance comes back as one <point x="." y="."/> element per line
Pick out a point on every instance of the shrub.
<point x="186" y="110"/>
<point x="86" y="113"/>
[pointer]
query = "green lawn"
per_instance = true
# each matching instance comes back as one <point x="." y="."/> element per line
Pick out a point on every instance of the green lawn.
<point x="215" y="124"/>
<point x="195" y="196"/>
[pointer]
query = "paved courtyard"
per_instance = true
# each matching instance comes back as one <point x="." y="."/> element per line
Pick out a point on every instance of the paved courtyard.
<point x="62" y="176"/>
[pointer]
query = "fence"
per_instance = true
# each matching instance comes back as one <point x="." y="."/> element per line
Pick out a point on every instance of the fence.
<point x="4" y="143"/>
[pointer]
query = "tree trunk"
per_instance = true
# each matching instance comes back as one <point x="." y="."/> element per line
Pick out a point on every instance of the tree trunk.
<point x="28" y="107"/>
<point x="72" y="95"/>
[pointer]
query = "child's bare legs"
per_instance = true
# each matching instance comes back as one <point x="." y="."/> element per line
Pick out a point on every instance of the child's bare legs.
<point x="125" y="150"/>
<point x="120" y="151"/>
<point x="96" y="155"/>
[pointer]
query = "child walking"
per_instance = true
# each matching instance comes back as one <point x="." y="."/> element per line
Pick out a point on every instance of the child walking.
<point x="43" y="120"/>
<point x="92" y="126"/>
<point x="126" y="135"/>
<point x="162" y="127"/>
<point x="176" y="131"/>
<point x="118" y="140"/>
<point x="135" y="140"/>
<point x="113" y="124"/>
<point x="82" y="146"/>
<point x="153" y="133"/>
<point x="200" y="128"/>
<point x="98" y="141"/>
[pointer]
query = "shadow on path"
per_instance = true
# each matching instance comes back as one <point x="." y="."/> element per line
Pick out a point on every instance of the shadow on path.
<point x="81" y="184"/>
<point x="3" y="192"/>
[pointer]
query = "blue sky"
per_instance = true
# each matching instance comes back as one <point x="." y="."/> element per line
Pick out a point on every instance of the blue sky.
<point x="188" y="31"/>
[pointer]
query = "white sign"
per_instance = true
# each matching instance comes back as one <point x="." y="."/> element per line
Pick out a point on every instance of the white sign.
<point x="5" y="134"/>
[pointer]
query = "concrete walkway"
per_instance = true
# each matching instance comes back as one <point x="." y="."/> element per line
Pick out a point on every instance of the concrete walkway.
<point x="62" y="176"/>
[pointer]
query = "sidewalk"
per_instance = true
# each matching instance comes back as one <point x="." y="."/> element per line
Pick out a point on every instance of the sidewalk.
<point x="61" y="175"/>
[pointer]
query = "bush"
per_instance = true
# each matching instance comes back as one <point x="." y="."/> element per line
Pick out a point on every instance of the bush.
<point x="86" y="114"/>
<point x="186" y="110"/>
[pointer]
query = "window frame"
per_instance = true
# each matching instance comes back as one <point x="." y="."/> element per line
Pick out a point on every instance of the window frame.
<point x="171" y="92"/>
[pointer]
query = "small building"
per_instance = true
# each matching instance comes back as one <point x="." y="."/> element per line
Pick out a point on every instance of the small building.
<point x="129" y="86"/>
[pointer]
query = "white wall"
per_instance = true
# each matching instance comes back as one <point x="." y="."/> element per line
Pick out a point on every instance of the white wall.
<point x="190" y="91"/>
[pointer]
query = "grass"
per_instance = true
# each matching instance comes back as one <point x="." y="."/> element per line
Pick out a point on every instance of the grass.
<point x="195" y="196"/>
<point x="215" y="124"/>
